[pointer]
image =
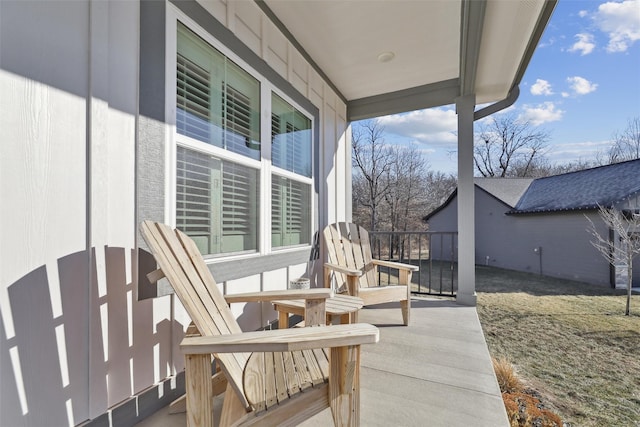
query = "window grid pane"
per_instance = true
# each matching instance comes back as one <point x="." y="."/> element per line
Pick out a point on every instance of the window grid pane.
<point x="216" y="202"/>
<point x="217" y="102"/>
<point x="238" y="124"/>
<point x="192" y="115"/>
<point x="290" y="138"/>
<point x="290" y="212"/>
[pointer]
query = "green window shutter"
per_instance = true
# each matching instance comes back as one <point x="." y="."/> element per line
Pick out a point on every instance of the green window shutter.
<point x="240" y="196"/>
<point x="290" y="138"/>
<point x="216" y="203"/>
<point x="198" y="204"/>
<point x="217" y="101"/>
<point x="193" y="100"/>
<point x="290" y="212"/>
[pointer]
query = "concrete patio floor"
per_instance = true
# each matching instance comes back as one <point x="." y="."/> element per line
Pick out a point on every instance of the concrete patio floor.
<point x="436" y="372"/>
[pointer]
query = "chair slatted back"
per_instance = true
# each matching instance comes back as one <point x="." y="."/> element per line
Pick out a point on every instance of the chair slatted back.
<point x="348" y="245"/>
<point x="181" y="262"/>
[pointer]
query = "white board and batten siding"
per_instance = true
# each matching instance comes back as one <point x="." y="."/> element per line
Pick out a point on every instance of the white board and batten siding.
<point x="75" y="338"/>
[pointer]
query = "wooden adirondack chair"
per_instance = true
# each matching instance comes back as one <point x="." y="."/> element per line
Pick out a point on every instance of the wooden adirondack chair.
<point x="351" y="263"/>
<point x="279" y="377"/>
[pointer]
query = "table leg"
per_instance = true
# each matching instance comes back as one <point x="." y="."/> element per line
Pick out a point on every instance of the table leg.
<point x="283" y="319"/>
<point x="349" y="318"/>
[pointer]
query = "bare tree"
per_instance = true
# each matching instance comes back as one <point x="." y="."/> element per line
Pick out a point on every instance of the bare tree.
<point x="392" y="186"/>
<point x="509" y="147"/>
<point x="371" y="161"/>
<point x="626" y="225"/>
<point x="626" y="144"/>
<point x="407" y="188"/>
<point x="406" y="199"/>
<point x="573" y="166"/>
<point x="440" y="186"/>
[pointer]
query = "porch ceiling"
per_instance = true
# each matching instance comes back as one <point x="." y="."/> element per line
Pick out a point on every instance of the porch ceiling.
<point x="441" y="48"/>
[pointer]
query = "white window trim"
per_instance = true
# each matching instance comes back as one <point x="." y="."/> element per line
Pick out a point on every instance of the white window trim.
<point x="172" y="140"/>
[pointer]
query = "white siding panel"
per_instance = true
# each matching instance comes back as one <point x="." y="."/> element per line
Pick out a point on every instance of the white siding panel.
<point x="299" y="72"/>
<point x="217" y="9"/>
<point x="297" y="271"/>
<point x="329" y="154"/>
<point x="277" y="47"/>
<point x="181" y="321"/>
<point x="342" y="157"/>
<point x="316" y="87"/>
<point x="249" y="315"/>
<point x="43" y="278"/>
<point x="136" y="335"/>
<point x="248" y="25"/>
<point x="42" y="175"/>
<point x="275" y="280"/>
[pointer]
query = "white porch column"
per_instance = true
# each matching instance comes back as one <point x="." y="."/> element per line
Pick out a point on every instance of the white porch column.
<point x="466" y="204"/>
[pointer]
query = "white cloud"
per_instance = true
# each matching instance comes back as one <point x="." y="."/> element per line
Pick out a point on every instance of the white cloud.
<point x="542" y="113"/>
<point x="580" y="85"/>
<point x="621" y="22"/>
<point x="548" y="43"/>
<point x="578" y="151"/>
<point x="541" y="87"/>
<point x="432" y="126"/>
<point x="584" y="45"/>
<point x="583" y="13"/>
<point x="577" y="148"/>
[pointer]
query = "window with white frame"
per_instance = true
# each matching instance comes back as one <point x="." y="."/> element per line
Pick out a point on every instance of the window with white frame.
<point x="290" y="194"/>
<point x="221" y="156"/>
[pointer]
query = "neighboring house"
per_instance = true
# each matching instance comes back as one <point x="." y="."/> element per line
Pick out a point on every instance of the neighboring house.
<point x="228" y="119"/>
<point x="540" y="225"/>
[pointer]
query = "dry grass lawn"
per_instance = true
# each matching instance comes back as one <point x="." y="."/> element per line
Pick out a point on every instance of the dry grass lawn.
<point x="570" y="341"/>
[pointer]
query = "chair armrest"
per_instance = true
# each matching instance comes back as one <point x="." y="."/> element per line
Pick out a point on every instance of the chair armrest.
<point x="286" y="294"/>
<point x="340" y="269"/>
<point x="283" y="339"/>
<point x="398" y="265"/>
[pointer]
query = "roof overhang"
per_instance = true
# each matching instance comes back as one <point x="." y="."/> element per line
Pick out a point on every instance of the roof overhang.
<point x="387" y="57"/>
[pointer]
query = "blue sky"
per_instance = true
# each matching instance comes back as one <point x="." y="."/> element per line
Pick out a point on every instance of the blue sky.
<point x="582" y="85"/>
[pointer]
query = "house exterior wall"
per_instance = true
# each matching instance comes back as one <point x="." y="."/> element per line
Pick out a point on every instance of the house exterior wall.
<point x="563" y="246"/>
<point x="81" y="166"/>
<point x="553" y="244"/>
<point x="633" y="204"/>
<point x="447" y="221"/>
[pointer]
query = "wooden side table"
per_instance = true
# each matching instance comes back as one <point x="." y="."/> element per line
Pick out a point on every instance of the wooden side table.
<point x="344" y="306"/>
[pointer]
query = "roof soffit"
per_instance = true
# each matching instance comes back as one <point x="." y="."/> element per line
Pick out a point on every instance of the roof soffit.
<point x="344" y="38"/>
<point x="442" y="48"/>
<point x="506" y="37"/>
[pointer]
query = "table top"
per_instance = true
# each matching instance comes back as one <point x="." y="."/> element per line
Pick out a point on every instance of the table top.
<point x="338" y="304"/>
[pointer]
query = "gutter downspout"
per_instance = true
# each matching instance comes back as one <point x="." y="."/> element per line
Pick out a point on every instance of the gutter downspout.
<point x="511" y="98"/>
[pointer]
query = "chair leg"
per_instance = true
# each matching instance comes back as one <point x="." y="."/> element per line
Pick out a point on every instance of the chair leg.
<point x="199" y="390"/>
<point x="405" y="306"/>
<point x="232" y="408"/>
<point x="344" y="385"/>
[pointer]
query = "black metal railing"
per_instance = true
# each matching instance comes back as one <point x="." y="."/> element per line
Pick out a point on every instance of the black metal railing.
<point x="434" y="252"/>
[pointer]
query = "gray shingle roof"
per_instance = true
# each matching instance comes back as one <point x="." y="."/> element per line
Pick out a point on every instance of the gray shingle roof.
<point x="507" y="190"/>
<point x="586" y="189"/>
